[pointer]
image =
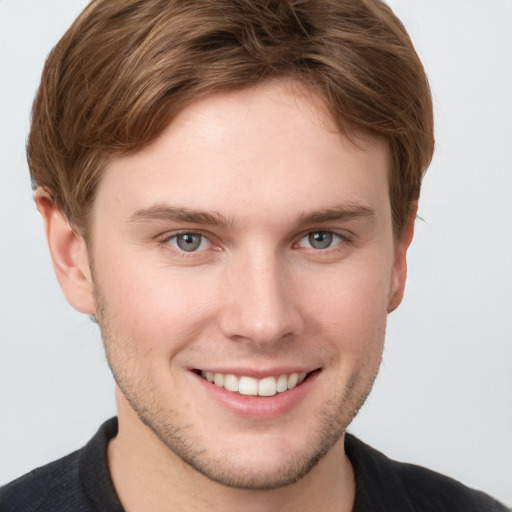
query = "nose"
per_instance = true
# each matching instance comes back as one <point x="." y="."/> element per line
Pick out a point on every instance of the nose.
<point x="259" y="304"/>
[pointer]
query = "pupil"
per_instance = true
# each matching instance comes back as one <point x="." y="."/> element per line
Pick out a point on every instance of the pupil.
<point x="188" y="242"/>
<point x="320" y="239"/>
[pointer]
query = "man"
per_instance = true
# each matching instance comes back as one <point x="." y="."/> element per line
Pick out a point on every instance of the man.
<point x="230" y="189"/>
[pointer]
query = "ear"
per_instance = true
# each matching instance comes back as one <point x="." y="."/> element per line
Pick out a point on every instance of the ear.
<point x="69" y="254"/>
<point x="399" y="272"/>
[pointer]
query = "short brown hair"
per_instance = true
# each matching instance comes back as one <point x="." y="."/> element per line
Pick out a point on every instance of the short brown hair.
<point x="124" y="69"/>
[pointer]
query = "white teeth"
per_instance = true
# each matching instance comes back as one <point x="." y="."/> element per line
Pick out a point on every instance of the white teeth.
<point x="231" y="383"/>
<point x="292" y="380"/>
<point x="244" y="385"/>
<point x="282" y="383"/>
<point x="248" y="386"/>
<point x="218" y="378"/>
<point x="267" y="386"/>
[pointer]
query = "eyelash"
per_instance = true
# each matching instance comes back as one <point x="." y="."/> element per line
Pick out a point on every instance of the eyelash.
<point x="332" y="234"/>
<point x="166" y="242"/>
<point x="341" y="240"/>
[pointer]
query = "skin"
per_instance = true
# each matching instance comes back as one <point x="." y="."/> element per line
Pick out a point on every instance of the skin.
<point x="268" y="168"/>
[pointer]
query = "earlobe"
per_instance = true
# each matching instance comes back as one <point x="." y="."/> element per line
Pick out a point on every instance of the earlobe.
<point x="399" y="272"/>
<point x="68" y="253"/>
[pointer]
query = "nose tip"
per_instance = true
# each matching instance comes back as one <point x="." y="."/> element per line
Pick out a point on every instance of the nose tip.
<point x="258" y="331"/>
<point x="260" y="306"/>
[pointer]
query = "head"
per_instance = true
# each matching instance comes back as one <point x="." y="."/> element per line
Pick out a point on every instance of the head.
<point x="230" y="187"/>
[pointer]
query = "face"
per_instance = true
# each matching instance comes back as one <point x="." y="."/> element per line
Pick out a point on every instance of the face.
<point x="243" y="268"/>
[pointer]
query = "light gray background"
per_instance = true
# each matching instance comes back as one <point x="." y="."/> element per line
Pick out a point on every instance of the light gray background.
<point x="444" y="395"/>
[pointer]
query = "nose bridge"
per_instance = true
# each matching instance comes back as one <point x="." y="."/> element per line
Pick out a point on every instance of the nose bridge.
<point x="259" y="306"/>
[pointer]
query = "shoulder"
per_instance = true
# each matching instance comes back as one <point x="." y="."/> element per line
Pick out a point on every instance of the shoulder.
<point x="394" y="485"/>
<point x="79" y="482"/>
<point x="439" y="492"/>
<point x="51" y="487"/>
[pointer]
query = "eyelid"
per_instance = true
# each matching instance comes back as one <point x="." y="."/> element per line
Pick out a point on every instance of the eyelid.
<point x="168" y="236"/>
<point x="215" y="245"/>
<point x="343" y="238"/>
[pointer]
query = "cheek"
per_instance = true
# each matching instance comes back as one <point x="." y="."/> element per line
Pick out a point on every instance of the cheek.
<point x="351" y="308"/>
<point x="155" y="309"/>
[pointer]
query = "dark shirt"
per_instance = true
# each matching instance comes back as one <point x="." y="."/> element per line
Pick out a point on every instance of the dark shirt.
<point x="80" y="482"/>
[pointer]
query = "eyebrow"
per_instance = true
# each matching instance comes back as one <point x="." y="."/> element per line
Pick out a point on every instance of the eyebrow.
<point x="164" y="212"/>
<point x="345" y="211"/>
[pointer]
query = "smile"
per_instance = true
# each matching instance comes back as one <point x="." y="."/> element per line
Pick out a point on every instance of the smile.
<point x="244" y="385"/>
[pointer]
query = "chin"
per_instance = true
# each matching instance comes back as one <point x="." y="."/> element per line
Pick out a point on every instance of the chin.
<point x="259" y="473"/>
<point x="252" y="461"/>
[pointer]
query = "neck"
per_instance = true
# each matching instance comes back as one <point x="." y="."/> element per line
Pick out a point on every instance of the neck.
<point x="149" y="476"/>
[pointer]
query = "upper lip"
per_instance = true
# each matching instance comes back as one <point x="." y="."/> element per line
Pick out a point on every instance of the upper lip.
<point x="258" y="373"/>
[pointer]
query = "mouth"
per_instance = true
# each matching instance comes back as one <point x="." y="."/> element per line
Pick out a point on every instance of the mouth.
<point x="251" y="386"/>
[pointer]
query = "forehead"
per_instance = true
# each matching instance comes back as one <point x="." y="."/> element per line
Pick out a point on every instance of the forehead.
<point x="273" y="148"/>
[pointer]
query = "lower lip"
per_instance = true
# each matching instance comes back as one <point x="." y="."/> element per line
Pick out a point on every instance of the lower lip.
<point x="259" y="407"/>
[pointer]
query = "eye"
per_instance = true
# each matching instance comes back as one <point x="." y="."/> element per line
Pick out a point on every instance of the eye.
<point x="189" y="242"/>
<point x="320" y="240"/>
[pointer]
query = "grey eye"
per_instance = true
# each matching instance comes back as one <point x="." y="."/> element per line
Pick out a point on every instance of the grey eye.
<point x="320" y="240"/>
<point x="189" y="242"/>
